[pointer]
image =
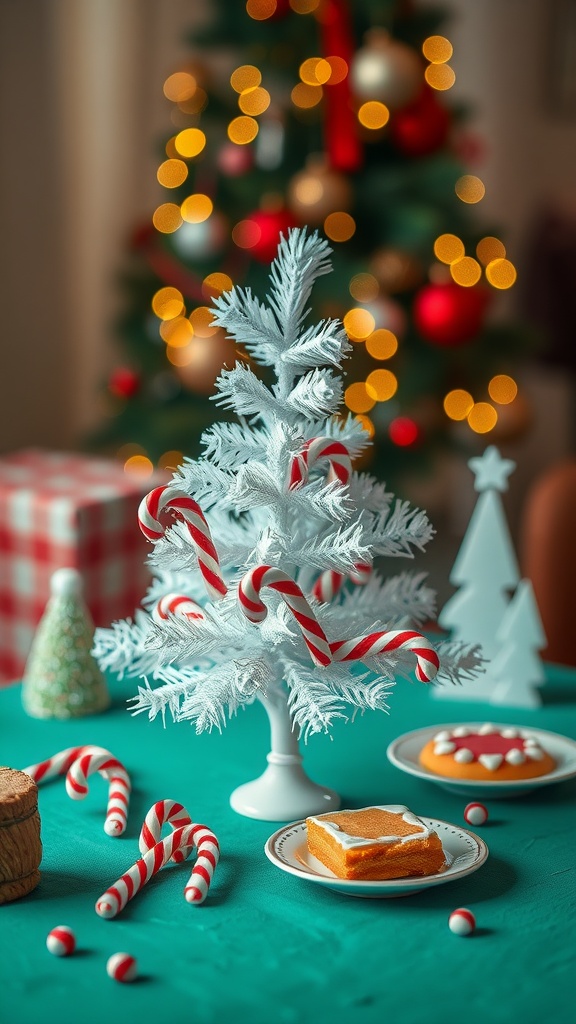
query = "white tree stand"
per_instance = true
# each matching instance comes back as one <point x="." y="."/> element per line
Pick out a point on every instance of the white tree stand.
<point x="284" y="792"/>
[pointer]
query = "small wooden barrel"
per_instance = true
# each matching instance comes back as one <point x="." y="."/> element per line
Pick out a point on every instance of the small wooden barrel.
<point x="20" y="846"/>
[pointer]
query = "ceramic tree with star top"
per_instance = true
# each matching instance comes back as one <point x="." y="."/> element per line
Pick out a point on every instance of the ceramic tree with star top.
<point x="263" y="553"/>
<point x="492" y="605"/>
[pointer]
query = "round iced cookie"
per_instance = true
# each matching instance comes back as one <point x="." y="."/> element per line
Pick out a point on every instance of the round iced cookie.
<point x="495" y="753"/>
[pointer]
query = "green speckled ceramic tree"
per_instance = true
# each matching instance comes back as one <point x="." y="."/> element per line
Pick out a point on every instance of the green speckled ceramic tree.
<point x="61" y="679"/>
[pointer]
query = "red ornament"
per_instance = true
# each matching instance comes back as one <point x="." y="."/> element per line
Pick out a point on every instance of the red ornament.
<point x="403" y="431"/>
<point x="422" y="127"/>
<point x="260" y="232"/>
<point x="449" y="315"/>
<point x="124" y="382"/>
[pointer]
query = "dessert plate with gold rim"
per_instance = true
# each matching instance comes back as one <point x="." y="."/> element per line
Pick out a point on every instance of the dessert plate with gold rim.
<point x="464" y="851"/>
<point x="404" y="753"/>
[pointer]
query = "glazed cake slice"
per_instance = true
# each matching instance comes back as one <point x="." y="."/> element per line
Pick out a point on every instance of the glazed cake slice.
<point x="375" y="843"/>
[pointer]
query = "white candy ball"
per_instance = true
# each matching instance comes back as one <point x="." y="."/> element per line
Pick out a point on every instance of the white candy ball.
<point x="462" y="921"/>
<point x="61" y="941"/>
<point x="122" y="967"/>
<point x="475" y="814"/>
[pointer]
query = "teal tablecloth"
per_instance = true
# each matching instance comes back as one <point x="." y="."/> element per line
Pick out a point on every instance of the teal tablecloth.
<point x="267" y="946"/>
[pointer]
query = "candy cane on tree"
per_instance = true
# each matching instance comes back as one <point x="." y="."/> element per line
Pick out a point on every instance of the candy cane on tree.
<point x="323" y="653"/>
<point x="67" y="762"/>
<point x="183" y="507"/>
<point x="119" y="793"/>
<point x="338" y="457"/>
<point x="117" y="896"/>
<point x="255" y="610"/>
<point x="179" y="605"/>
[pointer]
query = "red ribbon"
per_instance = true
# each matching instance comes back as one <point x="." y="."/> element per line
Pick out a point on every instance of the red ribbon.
<point x="341" y="138"/>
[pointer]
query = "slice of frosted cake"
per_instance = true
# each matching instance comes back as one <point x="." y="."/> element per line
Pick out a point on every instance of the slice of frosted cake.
<point x="375" y="843"/>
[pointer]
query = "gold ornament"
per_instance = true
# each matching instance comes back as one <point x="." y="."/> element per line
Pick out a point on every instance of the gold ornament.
<point x="318" y="191"/>
<point x="396" y="270"/>
<point x="387" y="70"/>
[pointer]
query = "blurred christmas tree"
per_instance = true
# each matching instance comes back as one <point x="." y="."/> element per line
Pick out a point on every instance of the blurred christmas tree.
<point x="331" y="114"/>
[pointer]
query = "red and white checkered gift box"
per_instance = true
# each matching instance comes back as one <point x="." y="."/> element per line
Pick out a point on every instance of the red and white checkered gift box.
<point x="59" y="510"/>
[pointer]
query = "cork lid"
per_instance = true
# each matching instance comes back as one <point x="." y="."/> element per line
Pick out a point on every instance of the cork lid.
<point x="18" y="794"/>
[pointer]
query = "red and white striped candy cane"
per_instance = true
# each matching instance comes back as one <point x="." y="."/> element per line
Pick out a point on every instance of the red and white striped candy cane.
<point x="164" y="812"/>
<point x="369" y="646"/>
<point x="320" y="448"/>
<point x="179" y="605"/>
<point x="255" y="610"/>
<point x="182" y="506"/>
<point x="117" y="896"/>
<point x="119" y="792"/>
<point x="330" y="582"/>
<point x="58" y="764"/>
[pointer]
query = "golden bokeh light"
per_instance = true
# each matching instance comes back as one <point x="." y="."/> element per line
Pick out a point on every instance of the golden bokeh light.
<point x="315" y="71"/>
<point x="260" y="10"/>
<point x="242" y="130"/>
<point x="466" y="272"/>
<point x="501" y="274"/>
<point x="167" y="303"/>
<point x="177" y="332"/>
<point x="170" y="148"/>
<point x="382" y="344"/>
<point x="339" y="227"/>
<point x="381" y="385"/>
<point x="448" y="248"/>
<point x="440" y="76"/>
<point x="470" y="189"/>
<point x="201" y="319"/>
<point x="339" y="70"/>
<point x="367" y="424"/>
<point x="167" y="218"/>
<point x="458" y="403"/>
<point x="138" y="465"/>
<point x="373" y="114"/>
<point x="190" y="142"/>
<point x="170" y="460"/>
<point x="358" y="324"/>
<point x="357" y="399"/>
<point x="180" y="356"/>
<point x="308" y="191"/>
<point x="364" y="287"/>
<point x="196" y="103"/>
<point x="490" y="248"/>
<point x="304" y="6"/>
<point x="254" y="100"/>
<point x="246" y="233"/>
<point x="180" y="86"/>
<point x="306" y="96"/>
<point x="502" y="389"/>
<point x="482" y="417"/>
<point x="214" y="284"/>
<point x="172" y="173"/>
<point x="247" y="76"/>
<point x="196" y="208"/>
<point x="437" y="49"/>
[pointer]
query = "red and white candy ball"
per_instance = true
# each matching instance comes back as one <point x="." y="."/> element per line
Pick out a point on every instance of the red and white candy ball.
<point x="122" y="967"/>
<point x="475" y="814"/>
<point x="462" y="921"/>
<point x="61" y="941"/>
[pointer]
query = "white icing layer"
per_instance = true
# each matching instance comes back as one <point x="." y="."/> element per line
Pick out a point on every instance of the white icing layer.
<point x="348" y="841"/>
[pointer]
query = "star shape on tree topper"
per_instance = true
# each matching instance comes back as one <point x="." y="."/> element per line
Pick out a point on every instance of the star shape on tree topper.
<point x="491" y="470"/>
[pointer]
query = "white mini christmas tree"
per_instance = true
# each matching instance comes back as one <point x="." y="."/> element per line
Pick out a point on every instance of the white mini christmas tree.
<point x="508" y="629"/>
<point x="516" y="672"/>
<point x="273" y="506"/>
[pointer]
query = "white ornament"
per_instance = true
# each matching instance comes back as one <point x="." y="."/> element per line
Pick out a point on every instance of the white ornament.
<point x="462" y="921"/>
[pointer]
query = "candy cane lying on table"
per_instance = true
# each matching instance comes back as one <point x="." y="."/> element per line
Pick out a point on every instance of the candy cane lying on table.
<point x="255" y="610"/>
<point x="117" y="896"/>
<point x="183" y="507"/>
<point x="164" y="812"/>
<point x="119" y="793"/>
<point x="179" y="605"/>
<point x="322" y="652"/>
<point x="67" y="762"/>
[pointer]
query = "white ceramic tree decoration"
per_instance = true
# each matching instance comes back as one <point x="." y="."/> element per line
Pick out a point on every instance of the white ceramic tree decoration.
<point x="264" y="587"/>
<point x="516" y="672"/>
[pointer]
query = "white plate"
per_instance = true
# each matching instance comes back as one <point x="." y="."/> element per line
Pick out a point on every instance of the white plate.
<point x="465" y="853"/>
<point x="404" y="753"/>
